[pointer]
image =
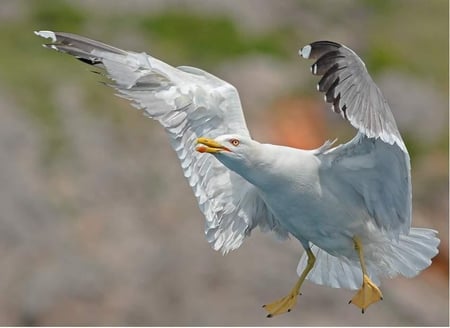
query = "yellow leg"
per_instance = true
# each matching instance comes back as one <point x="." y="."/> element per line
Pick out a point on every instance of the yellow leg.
<point x="285" y="304"/>
<point x="369" y="293"/>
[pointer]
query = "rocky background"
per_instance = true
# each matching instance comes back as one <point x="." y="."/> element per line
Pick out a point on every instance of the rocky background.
<point x="98" y="225"/>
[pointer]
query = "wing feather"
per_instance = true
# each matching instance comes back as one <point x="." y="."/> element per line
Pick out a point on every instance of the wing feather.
<point x="188" y="103"/>
<point x="375" y="163"/>
<point x="337" y="63"/>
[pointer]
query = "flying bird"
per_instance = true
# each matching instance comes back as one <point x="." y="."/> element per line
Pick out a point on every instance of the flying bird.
<point x="349" y="205"/>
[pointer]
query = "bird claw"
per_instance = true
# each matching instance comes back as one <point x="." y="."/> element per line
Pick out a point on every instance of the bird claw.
<point x="280" y="306"/>
<point x="368" y="294"/>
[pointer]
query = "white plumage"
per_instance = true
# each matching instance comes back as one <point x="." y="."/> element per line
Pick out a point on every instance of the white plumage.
<point x="324" y="197"/>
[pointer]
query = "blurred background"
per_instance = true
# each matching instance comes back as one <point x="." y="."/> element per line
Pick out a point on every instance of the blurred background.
<point x="98" y="225"/>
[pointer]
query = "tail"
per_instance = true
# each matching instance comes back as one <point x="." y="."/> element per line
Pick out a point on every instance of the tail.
<point x="407" y="257"/>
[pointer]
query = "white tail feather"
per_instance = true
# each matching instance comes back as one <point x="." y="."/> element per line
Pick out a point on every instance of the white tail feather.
<point x="407" y="257"/>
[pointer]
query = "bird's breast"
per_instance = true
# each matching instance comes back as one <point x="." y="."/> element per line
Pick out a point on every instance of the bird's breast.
<point x="312" y="213"/>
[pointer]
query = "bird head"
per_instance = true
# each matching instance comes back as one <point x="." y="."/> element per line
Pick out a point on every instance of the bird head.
<point x="240" y="154"/>
<point x="228" y="145"/>
<point x="230" y="149"/>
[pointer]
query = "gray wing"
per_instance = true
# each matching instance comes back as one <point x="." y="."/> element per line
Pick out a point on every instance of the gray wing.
<point x="375" y="164"/>
<point x="189" y="103"/>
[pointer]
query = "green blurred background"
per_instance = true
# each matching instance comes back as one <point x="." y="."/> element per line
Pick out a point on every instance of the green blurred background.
<point x="97" y="224"/>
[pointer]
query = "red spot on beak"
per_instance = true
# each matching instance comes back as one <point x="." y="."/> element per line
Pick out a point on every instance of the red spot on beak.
<point x="201" y="149"/>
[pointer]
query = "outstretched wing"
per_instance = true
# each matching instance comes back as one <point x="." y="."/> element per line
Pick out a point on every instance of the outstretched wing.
<point x="189" y="103"/>
<point x="375" y="164"/>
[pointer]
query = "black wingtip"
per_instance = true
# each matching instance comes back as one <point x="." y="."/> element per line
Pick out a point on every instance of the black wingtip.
<point x="316" y="49"/>
<point x="88" y="60"/>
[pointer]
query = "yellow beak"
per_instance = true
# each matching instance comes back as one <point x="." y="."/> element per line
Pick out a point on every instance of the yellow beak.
<point x="206" y="145"/>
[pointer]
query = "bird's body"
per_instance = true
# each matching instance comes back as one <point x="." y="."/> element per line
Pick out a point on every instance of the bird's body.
<point x="324" y="208"/>
<point x="349" y="206"/>
<point x="307" y="218"/>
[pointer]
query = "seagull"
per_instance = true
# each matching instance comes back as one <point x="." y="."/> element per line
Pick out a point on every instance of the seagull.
<point x="349" y="205"/>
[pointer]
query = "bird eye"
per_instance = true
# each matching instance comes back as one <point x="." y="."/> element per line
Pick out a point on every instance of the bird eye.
<point x="234" y="142"/>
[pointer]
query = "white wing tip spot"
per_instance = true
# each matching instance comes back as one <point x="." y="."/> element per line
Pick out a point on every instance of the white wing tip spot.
<point x="46" y="34"/>
<point x="305" y="51"/>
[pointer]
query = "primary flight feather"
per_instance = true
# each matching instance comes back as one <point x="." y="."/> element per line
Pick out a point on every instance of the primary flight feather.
<point x="349" y="206"/>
